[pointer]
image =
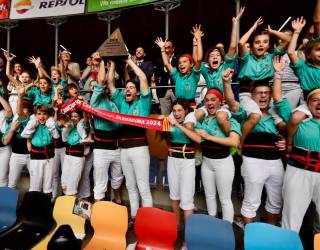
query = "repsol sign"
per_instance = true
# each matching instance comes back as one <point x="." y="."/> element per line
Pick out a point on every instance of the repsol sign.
<point x="56" y="3"/>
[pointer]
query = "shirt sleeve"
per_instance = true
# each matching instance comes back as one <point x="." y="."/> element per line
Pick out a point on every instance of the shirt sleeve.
<point x="190" y="118"/>
<point x="117" y="98"/>
<point x="235" y="126"/>
<point x="284" y="109"/>
<point x="174" y="74"/>
<point x="96" y="96"/>
<point x="240" y="116"/>
<point x="229" y="62"/>
<point x="145" y="102"/>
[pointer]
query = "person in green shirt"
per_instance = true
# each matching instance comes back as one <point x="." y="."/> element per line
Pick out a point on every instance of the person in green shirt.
<point x="187" y="75"/>
<point x="302" y="177"/>
<point x="256" y="67"/>
<point x="261" y="152"/>
<point x="134" y="152"/>
<point x="41" y="129"/>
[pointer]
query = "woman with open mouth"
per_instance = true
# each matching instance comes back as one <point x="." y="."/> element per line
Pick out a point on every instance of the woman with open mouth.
<point x="217" y="169"/>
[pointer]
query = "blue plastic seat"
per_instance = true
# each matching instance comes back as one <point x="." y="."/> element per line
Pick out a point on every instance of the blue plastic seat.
<point x="8" y="207"/>
<point x="204" y="232"/>
<point x="264" y="236"/>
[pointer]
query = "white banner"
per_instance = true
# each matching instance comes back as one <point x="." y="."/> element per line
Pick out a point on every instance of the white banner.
<point x="21" y="9"/>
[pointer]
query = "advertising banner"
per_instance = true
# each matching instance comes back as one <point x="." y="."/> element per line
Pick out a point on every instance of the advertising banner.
<point x="21" y="9"/>
<point x="4" y="7"/>
<point x="103" y="5"/>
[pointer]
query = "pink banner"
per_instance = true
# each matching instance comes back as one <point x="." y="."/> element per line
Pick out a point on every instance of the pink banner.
<point x="134" y="120"/>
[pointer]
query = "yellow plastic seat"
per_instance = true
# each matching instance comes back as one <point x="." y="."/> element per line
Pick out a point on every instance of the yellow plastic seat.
<point x="63" y="214"/>
<point x="316" y="242"/>
<point x="110" y="223"/>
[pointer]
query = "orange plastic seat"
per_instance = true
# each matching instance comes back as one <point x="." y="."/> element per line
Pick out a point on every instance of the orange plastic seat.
<point x="63" y="214"/>
<point x="155" y="228"/>
<point x="316" y="242"/>
<point x="110" y="223"/>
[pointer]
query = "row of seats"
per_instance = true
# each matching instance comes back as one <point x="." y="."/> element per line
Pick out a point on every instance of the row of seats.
<point x="39" y="228"/>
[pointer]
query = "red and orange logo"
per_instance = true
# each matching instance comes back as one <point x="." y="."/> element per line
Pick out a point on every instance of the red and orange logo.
<point x="22" y="6"/>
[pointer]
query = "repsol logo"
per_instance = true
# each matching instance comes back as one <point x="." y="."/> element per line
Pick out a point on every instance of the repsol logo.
<point x="56" y="3"/>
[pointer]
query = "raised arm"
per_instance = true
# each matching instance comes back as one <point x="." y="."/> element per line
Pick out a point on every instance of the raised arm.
<point x="198" y="49"/>
<point x="234" y="36"/>
<point x="8" y="65"/>
<point x="37" y="63"/>
<point x="245" y="38"/>
<point x="297" y="26"/>
<point x="6" y="106"/>
<point x="144" y="87"/>
<point x="111" y="77"/>
<point x="278" y="73"/>
<point x="285" y="38"/>
<point x="228" y="92"/>
<point x="21" y="93"/>
<point x="165" y="58"/>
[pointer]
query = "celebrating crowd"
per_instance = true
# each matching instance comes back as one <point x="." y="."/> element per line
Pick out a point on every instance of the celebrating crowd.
<point x="272" y="122"/>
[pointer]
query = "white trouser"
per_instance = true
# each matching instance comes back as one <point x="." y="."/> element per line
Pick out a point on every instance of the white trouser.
<point x="256" y="174"/>
<point x="41" y="175"/>
<point x="181" y="179"/>
<point x="135" y="164"/>
<point x="16" y="164"/>
<point x="84" y="185"/>
<point x="300" y="187"/>
<point x="217" y="175"/>
<point x="102" y="160"/>
<point x="71" y="174"/>
<point x="59" y="154"/>
<point x="5" y="153"/>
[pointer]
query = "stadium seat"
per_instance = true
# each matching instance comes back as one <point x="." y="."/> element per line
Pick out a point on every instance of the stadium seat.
<point x="36" y="222"/>
<point x="64" y="239"/>
<point x="8" y="207"/>
<point x="264" y="236"/>
<point x="110" y="222"/>
<point x="204" y="232"/>
<point x="63" y="214"/>
<point x="155" y="228"/>
<point x="316" y="242"/>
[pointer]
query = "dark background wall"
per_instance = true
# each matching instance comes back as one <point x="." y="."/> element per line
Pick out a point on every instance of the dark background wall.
<point x="82" y="35"/>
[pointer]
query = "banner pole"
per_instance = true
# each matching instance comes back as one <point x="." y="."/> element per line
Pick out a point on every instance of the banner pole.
<point x="108" y="16"/>
<point x="56" y="22"/>
<point x="8" y="25"/>
<point x="166" y="6"/>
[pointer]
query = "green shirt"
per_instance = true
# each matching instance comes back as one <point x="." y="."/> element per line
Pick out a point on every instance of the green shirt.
<point x="23" y="124"/>
<point x="265" y="125"/>
<point x="98" y="101"/>
<point x="41" y="136"/>
<point x="141" y="106"/>
<point x="77" y="133"/>
<point x="38" y="98"/>
<point x="255" y="69"/>
<point x="308" y="132"/>
<point x="308" y="74"/>
<point x="213" y="77"/>
<point x="211" y="126"/>
<point x="186" y="85"/>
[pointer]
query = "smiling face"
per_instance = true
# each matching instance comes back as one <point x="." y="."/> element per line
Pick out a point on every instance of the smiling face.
<point x="179" y="113"/>
<point x="65" y="55"/>
<point x="131" y="92"/>
<point x="25" y="78"/>
<point x="212" y="103"/>
<point x="42" y="116"/>
<point x="261" y="44"/>
<point x="215" y="59"/>
<point x="73" y="91"/>
<point x="314" y="55"/>
<point x="184" y="65"/>
<point x="44" y="85"/>
<point x="314" y="105"/>
<point x="17" y="69"/>
<point x="262" y="95"/>
<point x="75" y="118"/>
<point x="139" y="53"/>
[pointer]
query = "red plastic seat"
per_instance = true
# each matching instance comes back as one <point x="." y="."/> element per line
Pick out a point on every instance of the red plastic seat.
<point x="155" y="228"/>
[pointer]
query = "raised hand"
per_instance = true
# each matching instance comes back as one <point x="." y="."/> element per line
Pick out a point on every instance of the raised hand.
<point x="197" y="32"/>
<point x="298" y="24"/>
<point x="258" y="22"/>
<point x="227" y="75"/>
<point x="173" y="122"/>
<point x="160" y="42"/>
<point x="278" y="65"/>
<point x="7" y="56"/>
<point x="236" y="19"/>
<point x="35" y="61"/>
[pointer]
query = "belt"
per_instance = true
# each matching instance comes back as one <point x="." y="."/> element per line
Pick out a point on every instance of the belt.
<point x="180" y="152"/>
<point x="103" y="140"/>
<point x="305" y="159"/>
<point x="75" y="150"/>
<point x="133" y="139"/>
<point x="45" y="152"/>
